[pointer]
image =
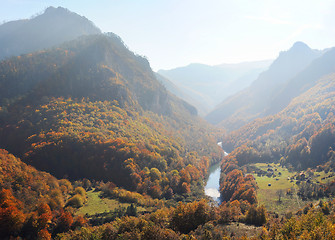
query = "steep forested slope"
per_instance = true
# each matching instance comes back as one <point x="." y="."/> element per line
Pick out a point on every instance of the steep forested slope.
<point x="32" y="203"/>
<point x="91" y="108"/>
<point x="301" y="135"/>
<point x="300" y="138"/>
<point x="30" y="186"/>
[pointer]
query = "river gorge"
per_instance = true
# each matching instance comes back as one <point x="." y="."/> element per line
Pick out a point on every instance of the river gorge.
<point x="213" y="183"/>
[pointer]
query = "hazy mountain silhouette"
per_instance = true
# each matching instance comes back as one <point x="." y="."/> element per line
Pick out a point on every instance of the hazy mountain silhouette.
<point x="303" y="81"/>
<point x="254" y="101"/>
<point x="179" y="92"/>
<point x="212" y="84"/>
<point x="53" y="27"/>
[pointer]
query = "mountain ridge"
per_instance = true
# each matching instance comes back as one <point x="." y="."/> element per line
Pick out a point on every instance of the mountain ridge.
<point x="53" y="27"/>
<point x="252" y="102"/>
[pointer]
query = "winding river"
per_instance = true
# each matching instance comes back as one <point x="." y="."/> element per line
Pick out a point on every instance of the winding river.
<point x="213" y="182"/>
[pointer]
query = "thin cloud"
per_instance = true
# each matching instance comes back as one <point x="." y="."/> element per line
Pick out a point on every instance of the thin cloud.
<point x="301" y="29"/>
<point x="268" y="19"/>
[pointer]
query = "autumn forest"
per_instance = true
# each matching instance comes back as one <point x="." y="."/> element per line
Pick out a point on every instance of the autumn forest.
<point x="96" y="145"/>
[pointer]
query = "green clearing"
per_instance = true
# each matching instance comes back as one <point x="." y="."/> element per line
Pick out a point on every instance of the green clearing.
<point x="269" y="195"/>
<point x="95" y="204"/>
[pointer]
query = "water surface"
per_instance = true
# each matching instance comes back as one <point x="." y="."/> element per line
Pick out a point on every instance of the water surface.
<point x="213" y="183"/>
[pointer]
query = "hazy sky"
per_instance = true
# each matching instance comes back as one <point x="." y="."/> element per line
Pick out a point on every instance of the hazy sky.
<point x="174" y="33"/>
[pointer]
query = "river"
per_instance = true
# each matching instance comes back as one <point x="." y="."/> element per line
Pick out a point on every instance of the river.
<point x="213" y="183"/>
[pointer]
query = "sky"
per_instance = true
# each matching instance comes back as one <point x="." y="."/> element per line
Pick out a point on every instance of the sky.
<point x="174" y="33"/>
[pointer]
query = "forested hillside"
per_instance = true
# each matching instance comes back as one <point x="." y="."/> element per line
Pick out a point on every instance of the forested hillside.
<point x="95" y="145"/>
<point x="302" y="134"/>
<point x="300" y="138"/>
<point x="92" y="109"/>
<point x="285" y="161"/>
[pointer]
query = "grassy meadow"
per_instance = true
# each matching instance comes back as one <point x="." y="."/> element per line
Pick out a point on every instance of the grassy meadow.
<point x="272" y="190"/>
<point x="96" y="204"/>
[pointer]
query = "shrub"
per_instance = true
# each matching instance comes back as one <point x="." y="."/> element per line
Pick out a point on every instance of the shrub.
<point x="81" y="191"/>
<point x="76" y="201"/>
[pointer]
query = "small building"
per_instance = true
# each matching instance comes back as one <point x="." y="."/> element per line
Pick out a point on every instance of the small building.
<point x="269" y="184"/>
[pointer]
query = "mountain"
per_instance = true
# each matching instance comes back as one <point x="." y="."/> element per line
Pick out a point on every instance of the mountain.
<point x="212" y="84"/>
<point x="301" y="135"/>
<point x="171" y="87"/>
<point x="303" y="81"/>
<point x="92" y="112"/>
<point x="298" y="140"/>
<point x="141" y="88"/>
<point x="91" y="108"/>
<point x="256" y="100"/>
<point x="53" y="27"/>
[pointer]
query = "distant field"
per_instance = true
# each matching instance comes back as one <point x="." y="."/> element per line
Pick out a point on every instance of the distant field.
<point x="95" y="204"/>
<point x="269" y="195"/>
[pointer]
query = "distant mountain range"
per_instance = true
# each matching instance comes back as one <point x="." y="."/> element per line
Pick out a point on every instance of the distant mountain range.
<point x="53" y="27"/>
<point x="212" y="84"/>
<point x="292" y="73"/>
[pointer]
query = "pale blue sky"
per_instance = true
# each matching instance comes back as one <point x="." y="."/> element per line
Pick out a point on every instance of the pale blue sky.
<point x="174" y="33"/>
